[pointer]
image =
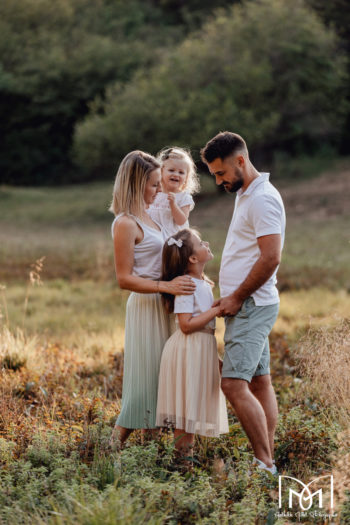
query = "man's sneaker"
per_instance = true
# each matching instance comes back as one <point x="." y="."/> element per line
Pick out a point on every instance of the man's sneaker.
<point x="261" y="465"/>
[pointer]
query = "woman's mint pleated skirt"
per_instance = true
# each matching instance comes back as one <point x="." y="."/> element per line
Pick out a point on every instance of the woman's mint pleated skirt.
<point x="147" y="328"/>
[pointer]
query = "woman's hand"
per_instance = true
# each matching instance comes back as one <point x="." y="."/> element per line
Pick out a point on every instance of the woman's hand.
<point x="182" y="285"/>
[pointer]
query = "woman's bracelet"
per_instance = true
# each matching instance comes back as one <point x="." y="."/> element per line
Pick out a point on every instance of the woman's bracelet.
<point x="157" y="287"/>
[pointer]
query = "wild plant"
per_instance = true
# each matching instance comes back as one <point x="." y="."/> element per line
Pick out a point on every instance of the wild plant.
<point x="324" y="358"/>
<point x="34" y="280"/>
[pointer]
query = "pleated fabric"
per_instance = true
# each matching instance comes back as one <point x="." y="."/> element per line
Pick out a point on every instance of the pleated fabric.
<point x="147" y="328"/>
<point x="189" y="393"/>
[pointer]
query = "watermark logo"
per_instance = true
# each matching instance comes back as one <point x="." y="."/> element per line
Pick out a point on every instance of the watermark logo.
<point x="305" y="497"/>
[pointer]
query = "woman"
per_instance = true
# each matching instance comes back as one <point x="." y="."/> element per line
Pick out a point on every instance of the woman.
<point x="138" y="243"/>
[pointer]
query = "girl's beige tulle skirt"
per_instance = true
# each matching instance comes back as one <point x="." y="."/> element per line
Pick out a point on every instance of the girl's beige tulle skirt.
<point x="189" y="393"/>
<point x="147" y="328"/>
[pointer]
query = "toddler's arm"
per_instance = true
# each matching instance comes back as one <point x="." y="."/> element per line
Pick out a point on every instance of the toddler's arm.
<point x="180" y="215"/>
<point x="190" y="324"/>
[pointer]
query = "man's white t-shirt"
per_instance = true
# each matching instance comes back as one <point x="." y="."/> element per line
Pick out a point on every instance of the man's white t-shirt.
<point x="258" y="211"/>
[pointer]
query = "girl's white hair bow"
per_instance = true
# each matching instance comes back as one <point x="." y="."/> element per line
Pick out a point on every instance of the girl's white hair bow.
<point x="172" y="241"/>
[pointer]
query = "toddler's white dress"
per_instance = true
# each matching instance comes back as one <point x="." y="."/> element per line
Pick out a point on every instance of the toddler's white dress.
<point x="160" y="211"/>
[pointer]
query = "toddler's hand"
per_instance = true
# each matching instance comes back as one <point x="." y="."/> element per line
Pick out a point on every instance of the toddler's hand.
<point x="171" y="197"/>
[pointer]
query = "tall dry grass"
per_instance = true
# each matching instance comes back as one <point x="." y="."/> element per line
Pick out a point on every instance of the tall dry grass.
<point x="342" y="468"/>
<point x="324" y="358"/>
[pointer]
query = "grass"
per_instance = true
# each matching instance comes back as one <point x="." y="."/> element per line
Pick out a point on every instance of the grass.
<point x="80" y="314"/>
<point x="71" y="227"/>
<point x="57" y="409"/>
<point x="61" y="367"/>
<point x="333" y="357"/>
<point x="301" y="167"/>
<point x="86" y="313"/>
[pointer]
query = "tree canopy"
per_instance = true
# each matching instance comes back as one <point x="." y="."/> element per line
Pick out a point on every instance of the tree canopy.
<point x="54" y="58"/>
<point x="111" y="76"/>
<point x="269" y="70"/>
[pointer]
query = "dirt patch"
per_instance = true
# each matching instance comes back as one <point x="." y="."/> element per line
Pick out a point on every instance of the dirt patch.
<point x="319" y="198"/>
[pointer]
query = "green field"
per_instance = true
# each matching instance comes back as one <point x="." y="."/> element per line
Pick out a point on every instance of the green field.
<point x="70" y="226"/>
<point x="61" y="340"/>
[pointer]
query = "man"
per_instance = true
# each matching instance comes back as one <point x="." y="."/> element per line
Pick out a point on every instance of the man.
<point x="249" y="297"/>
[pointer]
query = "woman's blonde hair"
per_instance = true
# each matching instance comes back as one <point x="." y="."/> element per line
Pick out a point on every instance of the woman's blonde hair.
<point x="130" y="182"/>
<point x="192" y="182"/>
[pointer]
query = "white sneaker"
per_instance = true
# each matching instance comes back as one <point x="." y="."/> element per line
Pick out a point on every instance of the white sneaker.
<point x="261" y="465"/>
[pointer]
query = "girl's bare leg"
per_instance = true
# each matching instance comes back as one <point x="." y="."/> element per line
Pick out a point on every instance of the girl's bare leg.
<point x="184" y="445"/>
<point x="148" y="434"/>
<point x="119" y="436"/>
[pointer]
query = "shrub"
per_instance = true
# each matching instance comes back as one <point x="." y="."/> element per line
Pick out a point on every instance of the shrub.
<point x="268" y="70"/>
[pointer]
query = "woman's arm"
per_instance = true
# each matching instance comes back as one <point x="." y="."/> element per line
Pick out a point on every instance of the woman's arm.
<point x="126" y="234"/>
<point x="190" y="324"/>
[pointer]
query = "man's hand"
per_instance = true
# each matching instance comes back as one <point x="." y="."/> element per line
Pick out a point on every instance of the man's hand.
<point x="228" y="305"/>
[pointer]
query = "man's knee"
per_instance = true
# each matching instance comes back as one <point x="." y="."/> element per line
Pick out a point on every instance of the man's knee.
<point x="226" y="385"/>
<point x="260" y="383"/>
<point x="231" y="386"/>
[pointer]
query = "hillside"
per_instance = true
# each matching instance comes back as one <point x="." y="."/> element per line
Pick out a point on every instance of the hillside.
<point x="70" y="226"/>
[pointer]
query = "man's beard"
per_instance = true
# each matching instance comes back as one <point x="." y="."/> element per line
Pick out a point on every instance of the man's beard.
<point x="232" y="187"/>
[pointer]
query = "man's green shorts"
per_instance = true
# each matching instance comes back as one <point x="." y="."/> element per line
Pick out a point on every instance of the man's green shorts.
<point x="247" y="351"/>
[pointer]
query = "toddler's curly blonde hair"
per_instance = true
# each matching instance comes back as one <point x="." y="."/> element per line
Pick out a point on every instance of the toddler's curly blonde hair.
<point x="192" y="182"/>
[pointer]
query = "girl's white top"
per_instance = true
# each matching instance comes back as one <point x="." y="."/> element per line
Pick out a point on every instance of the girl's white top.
<point x="148" y="252"/>
<point x="160" y="211"/>
<point x="200" y="301"/>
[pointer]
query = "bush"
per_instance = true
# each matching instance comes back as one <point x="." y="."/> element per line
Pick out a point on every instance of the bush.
<point x="54" y="59"/>
<point x="268" y="70"/>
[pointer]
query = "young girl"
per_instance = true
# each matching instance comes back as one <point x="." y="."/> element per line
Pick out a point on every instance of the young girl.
<point x="173" y="204"/>
<point x="189" y="394"/>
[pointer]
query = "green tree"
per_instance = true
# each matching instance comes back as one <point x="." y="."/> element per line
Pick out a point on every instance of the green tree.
<point x="269" y="70"/>
<point x="54" y="58"/>
<point x="336" y="14"/>
<point x="190" y="13"/>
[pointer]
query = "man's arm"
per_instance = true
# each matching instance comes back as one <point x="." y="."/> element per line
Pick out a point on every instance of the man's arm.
<point x="270" y="257"/>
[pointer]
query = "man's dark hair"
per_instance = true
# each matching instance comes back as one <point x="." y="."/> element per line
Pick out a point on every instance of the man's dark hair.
<point x="222" y="145"/>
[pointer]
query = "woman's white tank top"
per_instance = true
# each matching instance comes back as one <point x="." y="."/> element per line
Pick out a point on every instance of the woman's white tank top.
<point x="148" y="252"/>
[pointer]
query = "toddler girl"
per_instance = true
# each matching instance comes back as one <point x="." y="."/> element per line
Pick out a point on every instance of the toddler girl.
<point x="173" y="204"/>
<point x="189" y="394"/>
